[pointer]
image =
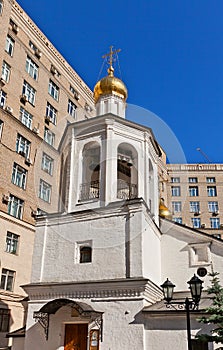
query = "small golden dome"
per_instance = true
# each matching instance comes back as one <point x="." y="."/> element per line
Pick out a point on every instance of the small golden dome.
<point x="164" y="211"/>
<point x="110" y="85"/>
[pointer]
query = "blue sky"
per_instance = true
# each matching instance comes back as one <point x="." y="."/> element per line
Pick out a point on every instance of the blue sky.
<point x="171" y="61"/>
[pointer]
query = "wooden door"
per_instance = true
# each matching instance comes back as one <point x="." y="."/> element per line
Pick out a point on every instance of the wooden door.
<point x="75" y="337"/>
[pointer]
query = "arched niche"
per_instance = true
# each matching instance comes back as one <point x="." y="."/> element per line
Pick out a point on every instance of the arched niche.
<point x="127" y="171"/>
<point x="90" y="186"/>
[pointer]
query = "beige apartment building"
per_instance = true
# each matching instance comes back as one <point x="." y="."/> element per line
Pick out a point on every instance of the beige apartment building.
<point x="40" y="93"/>
<point x="195" y="196"/>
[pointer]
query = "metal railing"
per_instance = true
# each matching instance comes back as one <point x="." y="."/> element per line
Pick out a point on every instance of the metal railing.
<point x="89" y="190"/>
<point x="126" y="190"/>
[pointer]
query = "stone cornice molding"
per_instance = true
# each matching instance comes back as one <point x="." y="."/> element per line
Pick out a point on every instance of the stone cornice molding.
<point x="136" y="289"/>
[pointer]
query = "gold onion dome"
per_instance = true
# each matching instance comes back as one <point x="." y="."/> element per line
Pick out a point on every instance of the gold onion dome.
<point x="164" y="211"/>
<point x="110" y="85"/>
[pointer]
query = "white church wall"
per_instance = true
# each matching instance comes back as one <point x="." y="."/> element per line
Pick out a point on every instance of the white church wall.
<point x="184" y="251"/>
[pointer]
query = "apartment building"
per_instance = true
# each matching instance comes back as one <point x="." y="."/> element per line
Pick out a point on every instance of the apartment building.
<point x="195" y="196"/>
<point x="40" y="93"/>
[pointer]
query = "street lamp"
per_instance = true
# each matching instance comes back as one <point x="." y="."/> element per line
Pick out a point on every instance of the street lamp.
<point x="195" y="286"/>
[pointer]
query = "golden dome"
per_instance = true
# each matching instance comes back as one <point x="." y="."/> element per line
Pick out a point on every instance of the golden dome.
<point x="110" y="85"/>
<point x="164" y="211"/>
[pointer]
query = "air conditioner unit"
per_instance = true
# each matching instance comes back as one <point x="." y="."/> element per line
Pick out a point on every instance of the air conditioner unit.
<point x="203" y="225"/>
<point x="53" y="69"/>
<point x="36" y="130"/>
<point x="47" y="119"/>
<point x="34" y="213"/>
<point x="77" y="96"/>
<point x="28" y="161"/>
<point x="22" y="153"/>
<point x="5" y="198"/>
<point x="197" y="213"/>
<point x="9" y="109"/>
<point x="216" y="212"/>
<point x="23" y="98"/>
<point x="38" y="53"/>
<point x="221" y="226"/>
<point x="15" y="28"/>
<point x="2" y="81"/>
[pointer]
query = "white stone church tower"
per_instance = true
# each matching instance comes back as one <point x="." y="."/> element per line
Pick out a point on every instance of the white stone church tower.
<point x="99" y="262"/>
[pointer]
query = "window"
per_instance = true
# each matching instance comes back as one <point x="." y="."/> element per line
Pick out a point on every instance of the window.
<point x="53" y="90"/>
<point x="31" y="68"/>
<point x="175" y="179"/>
<point x="51" y="113"/>
<point x="49" y="136"/>
<point x="199" y="254"/>
<point x="4" y="320"/>
<point x="192" y="179"/>
<point x="47" y="164"/>
<point x="33" y="46"/>
<point x="196" y="222"/>
<point x="71" y="108"/>
<point x="210" y="179"/>
<point x="194" y="207"/>
<point x="175" y="190"/>
<point x="72" y="89"/>
<point x="9" y="47"/>
<point x="26" y="118"/>
<point x="11" y="243"/>
<point x="193" y="191"/>
<point x="176" y="207"/>
<point x="45" y="191"/>
<point x="22" y="146"/>
<point x="212" y="191"/>
<point x="7" y="279"/>
<point x="1" y="6"/>
<point x="29" y="92"/>
<point x="15" y="206"/>
<point x="85" y="254"/>
<point x="2" y="99"/>
<point x="19" y="175"/>
<point x="212" y="207"/>
<point x="215" y="222"/>
<point x="1" y="128"/>
<point x="178" y="220"/>
<point x="5" y="71"/>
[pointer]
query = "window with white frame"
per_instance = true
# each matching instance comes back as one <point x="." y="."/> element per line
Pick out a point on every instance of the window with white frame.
<point x="47" y="163"/>
<point x="23" y="146"/>
<point x="210" y="179"/>
<point x="45" y="191"/>
<point x="215" y="222"/>
<point x="12" y="241"/>
<point x="192" y="179"/>
<point x="212" y="191"/>
<point x="175" y="191"/>
<point x="53" y="90"/>
<point x="51" y="113"/>
<point x="29" y="92"/>
<point x="175" y="179"/>
<point x="49" y="136"/>
<point x="196" y="222"/>
<point x="194" y="207"/>
<point x="4" y="320"/>
<point x="15" y="206"/>
<point x="178" y="220"/>
<point x="1" y="128"/>
<point x="213" y="207"/>
<point x="71" y="108"/>
<point x="33" y="46"/>
<point x="26" y="118"/>
<point x="5" y="71"/>
<point x="7" y="279"/>
<point x="193" y="191"/>
<point x="9" y="47"/>
<point x="19" y="175"/>
<point x="31" y="68"/>
<point x="176" y="207"/>
<point x="1" y="7"/>
<point x="3" y="96"/>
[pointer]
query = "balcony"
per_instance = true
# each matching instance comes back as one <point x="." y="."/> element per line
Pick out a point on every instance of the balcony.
<point x="89" y="190"/>
<point x="127" y="191"/>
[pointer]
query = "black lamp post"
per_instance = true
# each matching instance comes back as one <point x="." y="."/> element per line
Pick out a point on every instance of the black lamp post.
<point x="195" y="286"/>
